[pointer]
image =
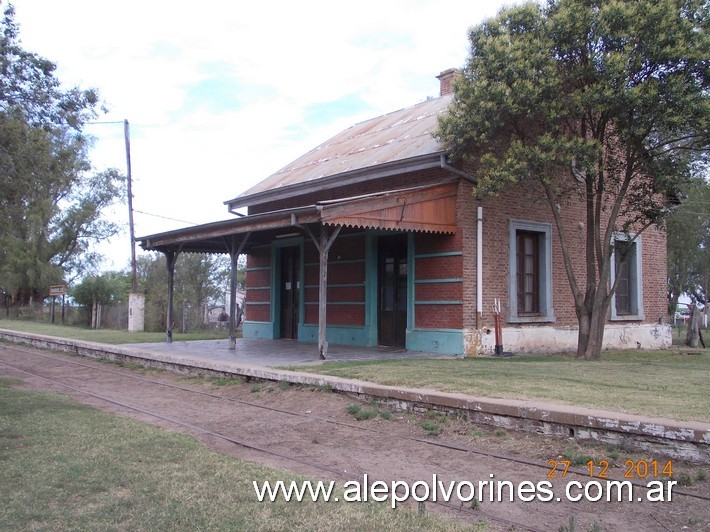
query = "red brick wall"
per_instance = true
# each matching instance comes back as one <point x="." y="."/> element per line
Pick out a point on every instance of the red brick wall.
<point x="346" y="266"/>
<point x="438" y="267"/>
<point x="338" y="315"/>
<point x="525" y="202"/>
<point x="655" y="274"/>
<point x="434" y="261"/>
<point x="258" y="307"/>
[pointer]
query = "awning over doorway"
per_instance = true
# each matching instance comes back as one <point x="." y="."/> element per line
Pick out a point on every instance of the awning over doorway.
<point x="430" y="209"/>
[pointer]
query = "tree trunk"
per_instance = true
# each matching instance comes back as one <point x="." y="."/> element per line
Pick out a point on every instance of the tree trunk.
<point x="592" y="322"/>
<point x="584" y="321"/>
<point x="692" y="337"/>
<point x="93" y="315"/>
<point x="596" y="336"/>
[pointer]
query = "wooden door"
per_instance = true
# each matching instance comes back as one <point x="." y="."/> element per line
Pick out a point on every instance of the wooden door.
<point x="290" y="288"/>
<point x="392" y="301"/>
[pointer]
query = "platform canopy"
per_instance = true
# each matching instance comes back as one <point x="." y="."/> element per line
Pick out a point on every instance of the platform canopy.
<point x="429" y="208"/>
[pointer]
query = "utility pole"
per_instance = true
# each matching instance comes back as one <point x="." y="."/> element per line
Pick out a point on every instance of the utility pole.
<point x="136" y="301"/>
<point x="134" y="281"/>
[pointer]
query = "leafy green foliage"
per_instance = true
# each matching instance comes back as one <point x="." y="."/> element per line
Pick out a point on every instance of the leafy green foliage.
<point x="200" y="280"/>
<point x="103" y="289"/>
<point x="431" y="427"/>
<point x="594" y="100"/>
<point x="689" y="246"/>
<point x="50" y="201"/>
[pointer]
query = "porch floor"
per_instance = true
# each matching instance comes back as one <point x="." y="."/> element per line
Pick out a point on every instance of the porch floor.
<point x="260" y="352"/>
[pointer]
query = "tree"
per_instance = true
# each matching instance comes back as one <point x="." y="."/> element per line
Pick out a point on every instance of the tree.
<point x="96" y="290"/>
<point x="199" y="280"/>
<point x="598" y="101"/>
<point x="50" y="202"/>
<point x="152" y="274"/>
<point x="689" y="247"/>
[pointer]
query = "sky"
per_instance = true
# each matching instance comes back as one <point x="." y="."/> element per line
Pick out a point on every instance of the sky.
<point x="220" y="95"/>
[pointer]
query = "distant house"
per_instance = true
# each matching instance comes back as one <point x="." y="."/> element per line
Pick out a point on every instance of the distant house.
<point x="374" y="238"/>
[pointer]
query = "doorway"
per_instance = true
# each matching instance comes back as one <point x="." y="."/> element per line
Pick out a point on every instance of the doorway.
<point x="392" y="282"/>
<point x="290" y="288"/>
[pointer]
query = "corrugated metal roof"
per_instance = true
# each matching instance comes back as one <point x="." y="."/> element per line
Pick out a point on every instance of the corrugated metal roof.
<point x="396" y="136"/>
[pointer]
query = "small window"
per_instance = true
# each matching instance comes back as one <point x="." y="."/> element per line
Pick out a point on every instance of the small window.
<point x="627" y="303"/>
<point x="530" y="289"/>
<point x="528" y="256"/>
<point x="624" y="257"/>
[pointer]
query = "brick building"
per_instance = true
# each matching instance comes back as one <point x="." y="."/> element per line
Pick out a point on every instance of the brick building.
<point x="375" y="238"/>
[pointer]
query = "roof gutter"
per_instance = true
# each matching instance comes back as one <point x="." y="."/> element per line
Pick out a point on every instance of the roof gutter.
<point x="446" y="166"/>
<point x="222" y="227"/>
<point x="359" y="175"/>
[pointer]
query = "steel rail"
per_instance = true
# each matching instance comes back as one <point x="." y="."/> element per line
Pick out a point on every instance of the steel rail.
<point x="453" y="447"/>
<point x="477" y="514"/>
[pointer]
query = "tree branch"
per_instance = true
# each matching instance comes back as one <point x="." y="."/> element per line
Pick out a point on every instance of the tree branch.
<point x="579" y="303"/>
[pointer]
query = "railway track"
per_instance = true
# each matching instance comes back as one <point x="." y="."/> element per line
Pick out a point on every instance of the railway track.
<point x="108" y="385"/>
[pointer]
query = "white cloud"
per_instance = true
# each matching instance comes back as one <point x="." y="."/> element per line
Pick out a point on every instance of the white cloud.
<point x="216" y="91"/>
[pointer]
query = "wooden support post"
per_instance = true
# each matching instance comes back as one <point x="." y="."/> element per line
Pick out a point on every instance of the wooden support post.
<point x="234" y="257"/>
<point x="234" y="251"/>
<point x="170" y="259"/>
<point x="323" y="245"/>
<point x="323" y="293"/>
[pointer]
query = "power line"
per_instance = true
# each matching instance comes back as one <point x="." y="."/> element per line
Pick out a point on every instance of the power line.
<point x="701" y="214"/>
<point x="164" y="217"/>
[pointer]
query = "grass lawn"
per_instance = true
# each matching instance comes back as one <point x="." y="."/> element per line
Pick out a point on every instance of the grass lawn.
<point x="106" y="336"/>
<point x="65" y="466"/>
<point x="657" y="383"/>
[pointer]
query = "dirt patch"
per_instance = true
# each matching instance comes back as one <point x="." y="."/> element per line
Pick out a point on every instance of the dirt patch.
<point x="333" y="436"/>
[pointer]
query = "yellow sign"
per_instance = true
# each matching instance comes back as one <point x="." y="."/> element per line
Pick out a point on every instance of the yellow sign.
<point x="57" y="290"/>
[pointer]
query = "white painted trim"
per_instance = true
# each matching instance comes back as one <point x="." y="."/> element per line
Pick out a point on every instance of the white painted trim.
<point x="547" y="313"/>
<point x="640" y="314"/>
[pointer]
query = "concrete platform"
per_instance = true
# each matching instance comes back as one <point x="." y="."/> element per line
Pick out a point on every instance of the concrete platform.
<point x="258" y="352"/>
<point x="255" y="359"/>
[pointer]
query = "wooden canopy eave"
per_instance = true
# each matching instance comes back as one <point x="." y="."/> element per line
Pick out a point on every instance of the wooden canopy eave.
<point x="429" y="209"/>
<point x="209" y="238"/>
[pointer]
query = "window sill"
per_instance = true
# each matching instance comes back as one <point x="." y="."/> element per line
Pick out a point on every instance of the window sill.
<point x="629" y="317"/>
<point x="531" y="319"/>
